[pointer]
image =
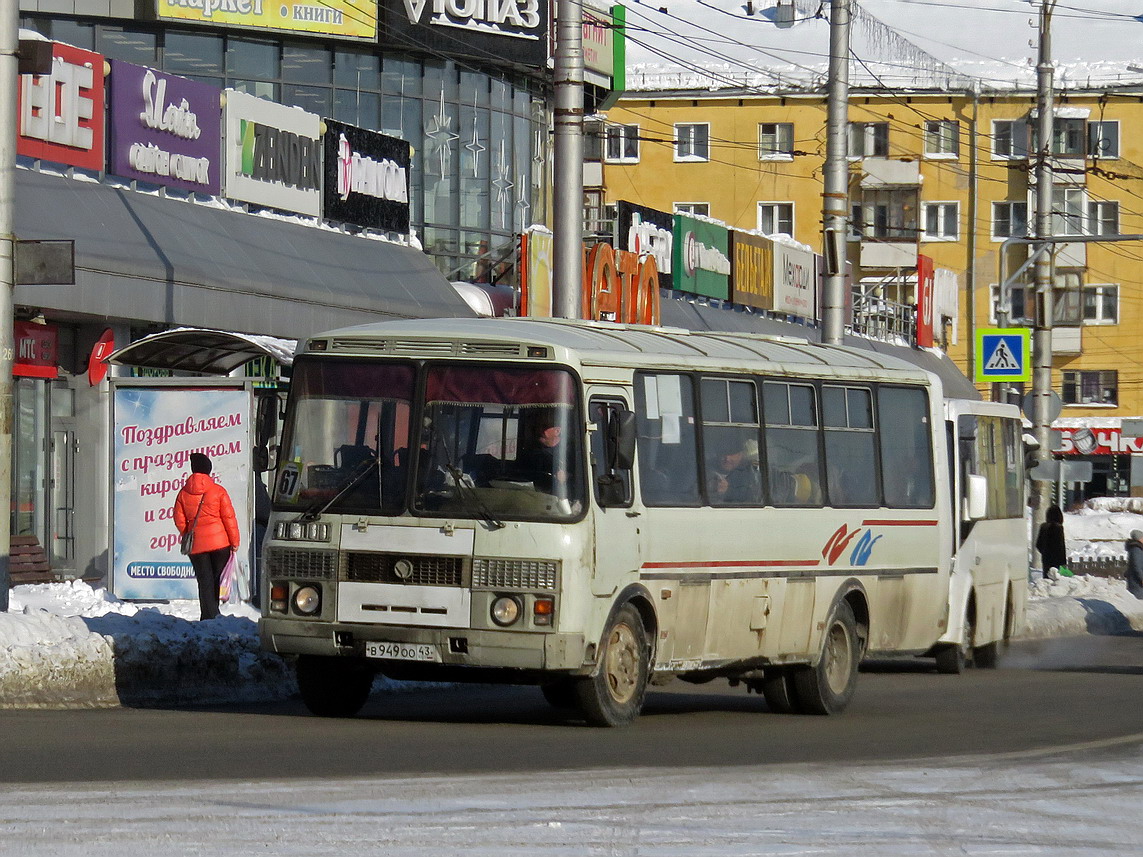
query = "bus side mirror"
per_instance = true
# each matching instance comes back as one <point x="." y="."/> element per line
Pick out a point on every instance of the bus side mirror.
<point x="975" y="498"/>
<point x="621" y="440"/>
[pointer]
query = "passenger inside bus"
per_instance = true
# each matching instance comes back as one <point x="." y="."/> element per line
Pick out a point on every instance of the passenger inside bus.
<point x="734" y="476"/>
<point x="543" y="463"/>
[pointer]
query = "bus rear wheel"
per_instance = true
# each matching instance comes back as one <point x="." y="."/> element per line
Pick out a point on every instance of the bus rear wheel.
<point x="828" y="686"/>
<point x="333" y="687"/>
<point x="954" y="659"/>
<point x="778" y="690"/>
<point x="614" y="695"/>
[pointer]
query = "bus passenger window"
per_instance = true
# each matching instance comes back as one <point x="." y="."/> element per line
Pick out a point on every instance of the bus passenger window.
<point x="906" y="447"/>
<point x="793" y="464"/>
<point x="851" y="466"/>
<point x="665" y="446"/>
<point x="730" y="442"/>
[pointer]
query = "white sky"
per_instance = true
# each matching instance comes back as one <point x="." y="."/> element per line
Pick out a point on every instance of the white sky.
<point x="920" y="44"/>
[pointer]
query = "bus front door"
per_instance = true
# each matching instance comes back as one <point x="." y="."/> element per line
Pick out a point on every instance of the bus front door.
<point x="617" y="553"/>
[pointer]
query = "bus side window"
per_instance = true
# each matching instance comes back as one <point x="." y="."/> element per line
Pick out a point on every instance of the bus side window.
<point x="906" y="447"/>
<point x="851" y="465"/>
<point x="793" y="463"/>
<point x="665" y="449"/>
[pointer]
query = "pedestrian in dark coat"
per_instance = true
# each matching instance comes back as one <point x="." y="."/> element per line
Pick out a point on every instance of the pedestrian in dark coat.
<point x="1135" y="563"/>
<point x="1050" y="540"/>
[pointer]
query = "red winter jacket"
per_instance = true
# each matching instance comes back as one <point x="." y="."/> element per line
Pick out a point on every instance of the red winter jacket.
<point x="217" y="527"/>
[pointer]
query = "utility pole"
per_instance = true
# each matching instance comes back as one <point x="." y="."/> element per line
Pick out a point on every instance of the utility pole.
<point x="567" y="157"/>
<point x="9" y="65"/>
<point x="835" y="205"/>
<point x="1042" y="330"/>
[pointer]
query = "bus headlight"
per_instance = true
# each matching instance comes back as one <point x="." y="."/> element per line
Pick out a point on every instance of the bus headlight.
<point x="505" y="610"/>
<point x="307" y="600"/>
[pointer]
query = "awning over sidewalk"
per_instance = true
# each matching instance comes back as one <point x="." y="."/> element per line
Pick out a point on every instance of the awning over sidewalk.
<point x="192" y="349"/>
<point x="141" y="257"/>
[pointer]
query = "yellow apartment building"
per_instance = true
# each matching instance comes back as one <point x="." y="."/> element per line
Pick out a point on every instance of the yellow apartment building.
<point x="944" y="174"/>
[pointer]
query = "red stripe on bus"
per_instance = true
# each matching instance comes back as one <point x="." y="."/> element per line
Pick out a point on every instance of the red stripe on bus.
<point x="768" y="563"/>
<point x="894" y="523"/>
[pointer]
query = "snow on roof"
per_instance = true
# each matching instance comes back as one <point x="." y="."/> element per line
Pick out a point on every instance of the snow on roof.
<point x="915" y="44"/>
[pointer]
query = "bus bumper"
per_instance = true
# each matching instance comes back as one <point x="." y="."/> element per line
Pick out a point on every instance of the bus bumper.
<point x="456" y="646"/>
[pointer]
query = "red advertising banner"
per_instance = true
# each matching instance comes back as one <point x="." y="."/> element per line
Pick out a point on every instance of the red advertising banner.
<point x="60" y="115"/>
<point x="1094" y="441"/>
<point x="925" y="290"/>
<point x="37" y="350"/>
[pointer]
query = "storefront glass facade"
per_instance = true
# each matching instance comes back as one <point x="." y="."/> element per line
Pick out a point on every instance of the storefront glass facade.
<point x="480" y="139"/>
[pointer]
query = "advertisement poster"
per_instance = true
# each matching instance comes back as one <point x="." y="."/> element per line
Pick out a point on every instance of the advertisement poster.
<point x="156" y="430"/>
<point x="60" y="116"/>
<point x="272" y="154"/>
<point x="701" y="263"/>
<point x="794" y="280"/>
<point x="648" y="231"/>
<point x="165" y="129"/>
<point x="752" y="270"/>
<point x="515" y="30"/>
<point x="366" y="178"/>
<point x="345" y="19"/>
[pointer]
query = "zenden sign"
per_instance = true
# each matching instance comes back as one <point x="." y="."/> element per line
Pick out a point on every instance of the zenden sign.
<point x="272" y="155"/>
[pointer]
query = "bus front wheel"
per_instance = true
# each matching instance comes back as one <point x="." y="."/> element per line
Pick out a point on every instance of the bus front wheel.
<point x="614" y="695"/>
<point x="828" y="686"/>
<point x="333" y="687"/>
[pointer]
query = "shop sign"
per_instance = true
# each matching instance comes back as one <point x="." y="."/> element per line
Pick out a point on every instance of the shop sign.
<point x="366" y="178"/>
<point x="271" y="154"/>
<point x="513" y="29"/>
<point x="155" y="431"/>
<point x="620" y="286"/>
<point x="701" y="264"/>
<point x="97" y="360"/>
<point x="1082" y="440"/>
<point x="598" y="41"/>
<point x="37" y="350"/>
<point x="794" y="277"/>
<point x="536" y="284"/>
<point x="164" y="129"/>
<point x="346" y="19"/>
<point x="751" y="270"/>
<point x="648" y="231"/>
<point x="925" y="298"/>
<point x="61" y="113"/>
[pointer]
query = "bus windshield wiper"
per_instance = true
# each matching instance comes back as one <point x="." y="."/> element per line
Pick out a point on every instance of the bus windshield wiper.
<point x="363" y="470"/>
<point x="471" y="498"/>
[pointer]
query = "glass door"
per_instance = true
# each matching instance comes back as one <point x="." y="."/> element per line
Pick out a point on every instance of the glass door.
<point x="61" y="487"/>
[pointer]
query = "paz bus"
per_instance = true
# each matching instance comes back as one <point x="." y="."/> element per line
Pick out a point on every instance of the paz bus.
<point x="594" y="508"/>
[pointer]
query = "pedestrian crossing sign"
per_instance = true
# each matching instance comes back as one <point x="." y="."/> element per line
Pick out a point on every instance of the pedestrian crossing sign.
<point x="1003" y="354"/>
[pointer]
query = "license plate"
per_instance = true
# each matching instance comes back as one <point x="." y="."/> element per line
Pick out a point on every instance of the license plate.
<point x="403" y="651"/>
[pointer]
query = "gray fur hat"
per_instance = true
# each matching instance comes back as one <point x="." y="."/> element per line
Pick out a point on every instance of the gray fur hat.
<point x="1137" y="535"/>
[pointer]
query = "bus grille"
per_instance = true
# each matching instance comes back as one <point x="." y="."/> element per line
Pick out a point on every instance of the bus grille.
<point x="514" y="574"/>
<point x="301" y="564"/>
<point x="427" y="570"/>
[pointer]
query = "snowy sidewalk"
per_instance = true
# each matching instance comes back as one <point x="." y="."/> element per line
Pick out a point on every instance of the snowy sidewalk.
<point x="66" y="645"/>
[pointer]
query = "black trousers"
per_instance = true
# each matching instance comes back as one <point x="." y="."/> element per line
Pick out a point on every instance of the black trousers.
<point x="208" y="568"/>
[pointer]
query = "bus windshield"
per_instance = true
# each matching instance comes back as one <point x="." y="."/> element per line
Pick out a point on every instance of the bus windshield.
<point x="500" y="443"/>
<point x="346" y="447"/>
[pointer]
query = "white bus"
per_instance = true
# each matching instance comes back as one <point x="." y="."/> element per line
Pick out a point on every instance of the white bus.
<point x="988" y="588"/>
<point x="594" y="508"/>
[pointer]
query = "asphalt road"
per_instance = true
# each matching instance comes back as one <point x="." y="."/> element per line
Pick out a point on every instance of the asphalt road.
<point x="1049" y="694"/>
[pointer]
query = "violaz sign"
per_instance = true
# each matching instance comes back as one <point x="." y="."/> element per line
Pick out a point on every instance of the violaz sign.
<point x="513" y="29"/>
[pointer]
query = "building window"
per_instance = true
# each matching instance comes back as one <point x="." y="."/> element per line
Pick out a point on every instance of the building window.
<point x="941" y="221"/>
<point x="856" y="228"/>
<point x="1091" y="388"/>
<point x="1009" y="219"/>
<point x="1103" y="139"/>
<point x="775" y="218"/>
<point x="1101" y="304"/>
<point x="869" y="139"/>
<point x="1009" y="139"/>
<point x="700" y="208"/>
<point x="692" y="142"/>
<point x="1018" y="309"/>
<point x="593" y="141"/>
<point x="942" y="138"/>
<point x="1103" y="218"/>
<point x="622" y="144"/>
<point x="1068" y="211"/>
<point x="890" y="215"/>
<point x="1068" y="138"/>
<point x="775" y="141"/>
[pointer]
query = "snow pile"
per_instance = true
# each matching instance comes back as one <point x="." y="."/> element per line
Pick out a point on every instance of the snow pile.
<point x="1070" y="606"/>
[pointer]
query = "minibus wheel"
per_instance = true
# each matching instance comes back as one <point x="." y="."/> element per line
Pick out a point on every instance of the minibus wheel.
<point x="333" y="687"/>
<point x="828" y="686"/>
<point x="778" y="690"/>
<point x="986" y="657"/>
<point x="954" y="659"/>
<point x="560" y="693"/>
<point x="614" y="695"/>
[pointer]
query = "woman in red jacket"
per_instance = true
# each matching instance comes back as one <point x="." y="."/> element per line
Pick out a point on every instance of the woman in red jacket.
<point x="215" y="531"/>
